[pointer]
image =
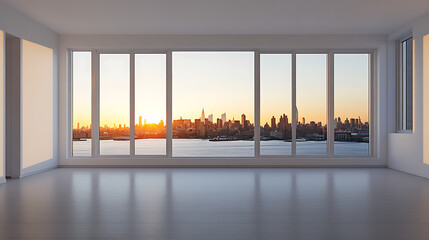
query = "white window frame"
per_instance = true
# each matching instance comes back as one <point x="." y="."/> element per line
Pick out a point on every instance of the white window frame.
<point x="372" y="108"/>
<point x="400" y="111"/>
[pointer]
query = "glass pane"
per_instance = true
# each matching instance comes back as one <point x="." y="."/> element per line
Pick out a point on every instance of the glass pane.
<point x="408" y="84"/>
<point x="311" y="80"/>
<point x="351" y="104"/>
<point x="213" y="104"/>
<point x="114" y="104"/>
<point x="150" y="104"/>
<point x="81" y="104"/>
<point x="276" y="90"/>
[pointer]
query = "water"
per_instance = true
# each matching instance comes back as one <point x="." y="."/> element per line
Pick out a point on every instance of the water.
<point x="205" y="148"/>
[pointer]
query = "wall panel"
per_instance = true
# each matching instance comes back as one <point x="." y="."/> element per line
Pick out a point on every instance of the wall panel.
<point x="2" y="106"/>
<point x="37" y="104"/>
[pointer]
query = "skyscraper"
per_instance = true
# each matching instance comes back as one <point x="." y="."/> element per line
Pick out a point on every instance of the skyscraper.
<point x="243" y="121"/>
<point x="296" y="109"/>
<point x="219" y="123"/>
<point x="273" y="123"/>
<point x="203" y="116"/>
<point x="303" y="121"/>
<point x="223" y="117"/>
<point x="211" y="118"/>
<point x="140" y="121"/>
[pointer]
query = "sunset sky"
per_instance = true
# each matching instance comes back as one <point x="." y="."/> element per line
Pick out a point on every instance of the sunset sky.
<point x="219" y="82"/>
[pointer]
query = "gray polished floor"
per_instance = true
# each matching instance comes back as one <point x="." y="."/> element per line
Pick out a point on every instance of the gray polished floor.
<point x="216" y="204"/>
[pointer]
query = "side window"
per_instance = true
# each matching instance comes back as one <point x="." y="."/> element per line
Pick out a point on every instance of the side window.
<point x="405" y="85"/>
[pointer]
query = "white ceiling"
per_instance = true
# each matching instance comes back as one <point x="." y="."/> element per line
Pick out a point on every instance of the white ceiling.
<point x="223" y="16"/>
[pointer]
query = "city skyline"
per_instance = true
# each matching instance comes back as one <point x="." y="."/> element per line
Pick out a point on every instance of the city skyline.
<point x="350" y="129"/>
<point x="220" y="82"/>
<point x="143" y="121"/>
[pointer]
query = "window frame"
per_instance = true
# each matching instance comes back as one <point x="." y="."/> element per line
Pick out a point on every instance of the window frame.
<point x="372" y="102"/>
<point x="400" y="81"/>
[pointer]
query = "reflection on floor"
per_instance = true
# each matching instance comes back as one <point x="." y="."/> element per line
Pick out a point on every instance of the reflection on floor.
<point x="216" y="204"/>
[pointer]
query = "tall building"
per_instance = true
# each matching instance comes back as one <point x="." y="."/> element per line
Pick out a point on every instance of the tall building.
<point x="223" y="117"/>
<point x="273" y="123"/>
<point x="145" y="121"/>
<point x="303" y="121"/>
<point x="140" y="121"/>
<point x="353" y="122"/>
<point x="203" y="116"/>
<point x="210" y="118"/>
<point x="219" y="123"/>
<point x="78" y="126"/>
<point x="243" y="121"/>
<point x="297" y="117"/>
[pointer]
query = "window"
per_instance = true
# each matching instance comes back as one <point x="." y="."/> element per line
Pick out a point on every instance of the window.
<point x="81" y="104"/>
<point x="213" y="104"/>
<point x="276" y="104"/>
<point x="311" y="114"/>
<point x="202" y="104"/>
<point x="150" y="104"/>
<point x="405" y="85"/>
<point x="351" y="109"/>
<point x="114" y="104"/>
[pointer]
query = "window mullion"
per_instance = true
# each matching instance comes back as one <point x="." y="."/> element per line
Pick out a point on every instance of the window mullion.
<point x="70" y="110"/>
<point x="95" y="118"/>
<point x="132" y="105"/>
<point x="294" y="109"/>
<point x="257" y="128"/>
<point x="330" y="102"/>
<point x="169" y="107"/>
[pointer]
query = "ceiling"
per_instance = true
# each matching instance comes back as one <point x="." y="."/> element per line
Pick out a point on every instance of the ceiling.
<point x="223" y="16"/>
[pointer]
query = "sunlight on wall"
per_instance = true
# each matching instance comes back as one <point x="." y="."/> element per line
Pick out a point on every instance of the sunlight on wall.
<point x="425" y="98"/>
<point x="2" y="108"/>
<point x="37" y="104"/>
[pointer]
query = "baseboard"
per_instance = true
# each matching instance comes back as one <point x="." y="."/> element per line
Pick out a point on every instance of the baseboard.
<point x="2" y="180"/>
<point x="408" y="171"/>
<point x="217" y="166"/>
<point x="40" y="167"/>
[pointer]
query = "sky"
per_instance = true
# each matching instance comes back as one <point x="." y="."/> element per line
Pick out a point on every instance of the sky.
<point x="311" y="78"/>
<point x="81" y="88"/>
<point x="114" y="89"/>
<point x="150" y="84"/>
<point x="276" y="87"/>
<point x="219" y="82"/>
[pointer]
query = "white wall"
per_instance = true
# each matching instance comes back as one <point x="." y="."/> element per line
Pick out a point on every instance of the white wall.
<point x="2" y="106"/>
<point x="225" y="42"/>
<point x="409" y="151"/>
<point x="22" y="26"/>
<point x="37" y="104"/>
